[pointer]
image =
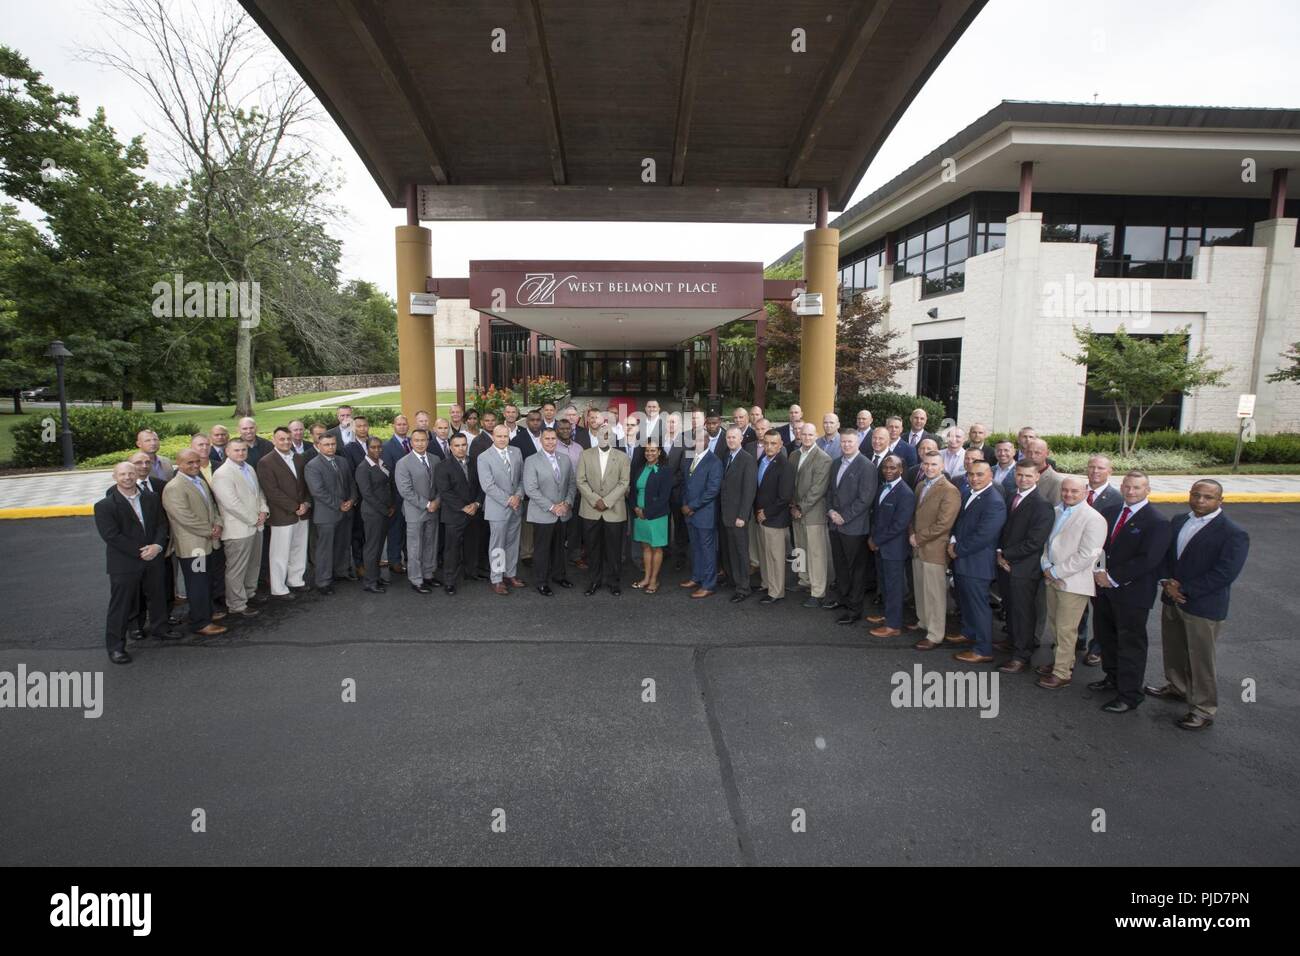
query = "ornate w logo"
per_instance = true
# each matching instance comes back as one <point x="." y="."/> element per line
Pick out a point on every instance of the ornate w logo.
<point x="538" y="288"/>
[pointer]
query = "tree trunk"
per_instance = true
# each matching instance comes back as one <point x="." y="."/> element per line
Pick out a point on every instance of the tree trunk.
<point x="128" y="400"/>
<point x="243" y="372"/>
<point x="18" y="401"/>
<point x="158" y="405"/>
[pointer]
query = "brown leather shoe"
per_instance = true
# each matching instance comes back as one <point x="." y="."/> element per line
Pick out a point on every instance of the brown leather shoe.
<point x="398" y="568"/>
<point x="1043" y="670"/>
<point x="1052" y="682"/>
<point x="925" y="644"/>
<point x="875" y="619"/>
<point x="211" y="630"/>
<point x="971" y="657"/>
<point x="1014" y="667"/>
<point x="957" y="640"/>
<point x="1166" y="692"/>
<point x="885" y="631"/>
<point x="1194" y="722"/>
<point x="516" y="583"/>
<point x="689" y="584"/>
<point x="218" y="615"/>
<point x="500" y="588"/>
<point x="1005" y="647"/>
<point x="701" y="593"/>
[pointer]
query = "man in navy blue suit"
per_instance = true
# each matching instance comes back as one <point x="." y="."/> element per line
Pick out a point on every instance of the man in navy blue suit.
<point x="699" y="505"/>
<point x="1137" y="537"/>
<point x="888" y="541"/>
<point x="395" y="449"/>
<point x="973" y="550"/>
<point x="1206" y="553"/>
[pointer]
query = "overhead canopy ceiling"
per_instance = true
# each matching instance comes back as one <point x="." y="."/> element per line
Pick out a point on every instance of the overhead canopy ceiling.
<point x="587" y="99"/>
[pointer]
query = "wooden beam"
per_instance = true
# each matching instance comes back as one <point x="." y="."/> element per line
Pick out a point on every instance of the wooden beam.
<point x="697" y="24"/>
<point x="372" y="33"/>
<point x="835" y="79"/>
<point x="542" y="82"/>
<point x="618" y="203"/>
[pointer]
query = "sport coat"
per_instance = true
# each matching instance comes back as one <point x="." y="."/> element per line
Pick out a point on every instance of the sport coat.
<point x="354" y="452"/>
<point x="375" y="486"/>
<point x="1108" y="498"/>
<point x="891" y="521"/>
<point x="1072" y="555"/>
<point x="1210" y="563"/>
<point x="978" y="530"/>
<point x="904" y="451"/>
<point x="906" y="438"/>
<point x="987" y="450"/>
<point x="788" y="437"/>
<point x="414" y="484"/>
<point x="330" y="487"/>
<point x="1049" y="486"/>
<point x="337" y="432"/>
<point x="701" y="489"/>
<point x="308" y="451"/>
<point x="259" y="449"/>
<point x="283" y="489"/>
<point x="1025" y="533"/>
<point x="122" y="532"/>
<point x="524" y="442"/>
<point x="216" y="458"/>
<point x="191" y="516"/>
<point x="162" y="469"/>
<point x="775" y="492"/>
<point x="240" y="503"/>
<point x="544" y="491"/>
<point x="456" y="489"/>
<point x="611" y="486"/>
<point x="658" y="494"/>
<point x="852" y="495"/>
<point x="499" y="484"/>
<point x="811" y="482"/>
<point x="932" y="521"/>
<point x="1136" y="556"/>
<point x="739" y="483"/>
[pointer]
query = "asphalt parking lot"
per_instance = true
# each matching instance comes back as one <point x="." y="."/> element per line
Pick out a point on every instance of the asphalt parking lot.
<point x="771" y="738"/>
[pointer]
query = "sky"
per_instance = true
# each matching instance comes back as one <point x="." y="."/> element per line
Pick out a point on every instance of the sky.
<point x="1178" y="52"/>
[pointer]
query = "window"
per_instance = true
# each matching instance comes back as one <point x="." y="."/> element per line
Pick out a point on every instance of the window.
<point x="860" y="269"/>
<point x="1099" y="411"/>
<point x="938" y="372"/>
<point x="936" y="249"/>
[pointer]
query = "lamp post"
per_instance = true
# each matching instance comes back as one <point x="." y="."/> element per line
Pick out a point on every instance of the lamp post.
<point x="57" y="352"/>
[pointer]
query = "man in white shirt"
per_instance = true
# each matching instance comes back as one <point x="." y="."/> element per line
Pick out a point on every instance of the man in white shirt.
<point x="863" y="425"/>
<point x="954" y="455"/>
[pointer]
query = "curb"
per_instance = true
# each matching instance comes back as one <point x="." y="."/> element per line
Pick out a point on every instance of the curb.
<point x="48" y="511"/>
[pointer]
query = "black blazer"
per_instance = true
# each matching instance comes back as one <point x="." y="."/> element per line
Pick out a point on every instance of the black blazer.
<point x="775" y="492"/>
<point x="117" y="524"/>
<point x="260" y="447"/>
<point x="658" y="491"/>
<point x="455" y="490"/>
<point x="524" y="442"/>
<point x="376" y="488"/>
<point x="1135" y="557"/>
<point x="1025" y="534"/>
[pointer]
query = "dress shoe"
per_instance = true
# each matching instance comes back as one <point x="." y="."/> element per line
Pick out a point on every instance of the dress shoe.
<point x="1043" y="670"/>
<point x="1052" y="682"/>
<point x="615" y="590"/>
<point x="846" y="619"/>
<point x="211" y="630"/>
<point x="1117" y="706"/>
<point x="832" y="605"/>
<point x="701" y="593"/>
<point x="398" y="568"/>
<point x="139" y="636"/>
<point x="1166" y="692"/>
<point x="218" y="615"/>
<point x="287" y="596"/>
<point x="381" y="584"/>
<point x="886" y="632"/>
<point x="246" y="612"/>
<point x="374" y="589"/>
<point x="925" y="644"/>
<point x="957" y="640"/>
<point x="500" y="588"/>
<point x="690" y="584"/>
<point x="516" y="583"/>
<point x="450" y="589"/>
<point x="738" y="597"/>
<point x="301" y="589"/>
<point x="119" y="657"/>
<point x="169" y="635"/>
<point x="876" y="619"/>
<point x="589" y="592"/>
<point x="1014" y="667"/>
<point x="811" y="602"/>
<point x="422" y="588"/>
<point x="768" y="599"/>
<point x="1004" y="646"/>
<point x="428" y="582"/>
<point x="327" y="590"/>
<point x="972" y="657"/>
<point x="545" y="591"/>
<point x="1104" y="684"/>
<point x="1194" y="722"/>
<point x="564" y="583"/>
<point x="1092" y="660"/>
<point x="257" y="599"/>
<point x="361" y="570"/>
<point x="580" y="564"/>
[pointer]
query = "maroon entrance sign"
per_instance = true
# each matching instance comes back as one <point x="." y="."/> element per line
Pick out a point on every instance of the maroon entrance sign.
<point x="496" y="286"/>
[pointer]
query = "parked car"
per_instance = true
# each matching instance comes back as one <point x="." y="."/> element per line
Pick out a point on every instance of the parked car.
<point x="39" y="394"/>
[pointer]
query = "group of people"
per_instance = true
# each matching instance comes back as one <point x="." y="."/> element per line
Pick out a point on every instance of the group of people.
<point x="870" y="521"/>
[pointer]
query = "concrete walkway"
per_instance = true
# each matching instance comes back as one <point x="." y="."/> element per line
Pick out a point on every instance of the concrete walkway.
<point x="351" y="398"/>
<point x="61" y="493"/>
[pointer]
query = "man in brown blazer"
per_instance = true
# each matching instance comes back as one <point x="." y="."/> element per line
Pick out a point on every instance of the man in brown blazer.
<point x="282" y="475"/>
<point x="195" y="520"/>
<point x="812" y="471"/>
<point x="938" y="502"/>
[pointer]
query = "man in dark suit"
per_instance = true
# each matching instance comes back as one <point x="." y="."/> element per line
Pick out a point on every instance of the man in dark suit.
<point x="700" y="490"/>
<point x="977" y="440"/>
<point x="355" y="453"/>
<point x="1020" y="574"/>
<point x="773" y="492"/>
<point x="916" y="474"/>
<point x="378" y="496"/>
<point x="257" y="446"/>
<point x="739" y="482"/>
<point x="973" y="550"/>
<point x="790" y="430"/>
<point x="1137" y="537"/>
<point x="849" y="499"/>
<point x="131" y="523"/>
<point x="396" y="448"/>
<point x="455" y="481"/>
<point x="672" y="456"/>
<point x="479" y="533"/>
<point x="218" y="437"/>
<point x="529" y="438"/>
<point x="890" y="523"/>
<point x="917" y="432"/>
<point x="1207" y="551"/>
<point x="897" y="444"/>
<point x="333" y="490"/>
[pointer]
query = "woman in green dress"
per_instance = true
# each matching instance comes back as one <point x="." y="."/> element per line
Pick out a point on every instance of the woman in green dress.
<point x="653" y="486"/>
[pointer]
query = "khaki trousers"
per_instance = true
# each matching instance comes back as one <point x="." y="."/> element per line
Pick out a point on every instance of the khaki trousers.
<point x="930" y="588"/>
<point x="1188" y="643"/>
<point x="243" y="562"/>
<point x="771" y="560"/>
<point x="814" y="543"/>
<point x="755" y="543"/>
<point x="1064" y="611"/>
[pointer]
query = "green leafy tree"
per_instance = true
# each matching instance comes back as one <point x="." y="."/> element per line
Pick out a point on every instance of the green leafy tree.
<point x="1291" y="372"/>
<point x="1136" y="374"/>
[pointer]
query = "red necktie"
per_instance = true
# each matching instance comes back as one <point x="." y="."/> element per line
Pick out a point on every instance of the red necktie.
<point x="1119" y="525"/>
<point x="1015" y="502"/>
<point x="1090" y="494"/>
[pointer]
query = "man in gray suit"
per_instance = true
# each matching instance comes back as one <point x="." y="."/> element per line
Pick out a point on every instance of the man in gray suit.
<point x="375" y="485"/>
<point x="550" y="483"/>
<point x="739" y="482"/>
<point x="501" y="476"/>
<point x="414" y="480"/>
<point x="812" y="473"/>
<point x="852" y="490"/>
<point x="334" y="494"/>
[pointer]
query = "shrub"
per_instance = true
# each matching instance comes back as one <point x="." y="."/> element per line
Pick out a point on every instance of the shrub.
<point x="95" y="432"/>
<point x="1205" y="447"/>
<point x="884" y="404"/>
<point x="167" y="447"/>
<point x="492" y="399"/>
<point x="1164" y="460"/>
<point x="542" y="389"/>
<point x="379" y="415"/>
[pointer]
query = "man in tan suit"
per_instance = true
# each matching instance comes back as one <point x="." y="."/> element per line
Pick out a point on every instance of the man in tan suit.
<point x="812" y="478"/>
<point x="1077" y="539"/>
<point x="195" y="521"/>
<point x="243" y="506"/>
<point x="604" y="474"/>
<point x="938" y="502"/>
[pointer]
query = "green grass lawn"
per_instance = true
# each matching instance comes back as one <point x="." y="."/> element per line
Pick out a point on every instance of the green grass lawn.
<point x="394" y="399"/>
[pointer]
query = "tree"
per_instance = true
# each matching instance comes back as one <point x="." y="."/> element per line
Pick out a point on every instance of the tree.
<point x="865" y="356"/>
<point x="1289" y="373"/>
<point x="1136" y="374"/>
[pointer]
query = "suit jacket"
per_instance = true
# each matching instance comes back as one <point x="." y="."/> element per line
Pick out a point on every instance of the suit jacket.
<point x="393" y="452"/>
<point x="904" y="451"/>
<point x="658" y="493"/>
<point x="481" y="443"/>
<point x="700" y="491"/>
<point x="739" y="483"/>
<point x="330" y="486"/>
<point x="375" y="486"/>
<point x="853" y="495"/>
<point x="308" y="450"/>
<point x="414" y="485"/>
<point x="524" y="442"/>
<point x="354" y="452"/>
<point x="1210" y="563"/>
<point x="788" y="437"/>
<point x="544" y="491"/>
<point x="1072" y="555"/>
<point x="811" y="483"/>
<point x="1136" y="556"/>
<point x="122" y="532"/>
<point x="1049" y="486"/>
<point x="830" y="445"/>
<point x="987" y="449"/>
<point x="978" y="530"/>
<point x="259" y="449"/>
<point x="775" y="492"/>
<point x="906" y="438"/>
<point x="165" y="466"/>
<point x="891" y="522"/>
<point x="1025" y="534"/>
<point x="500" y="484"/>
<point x="1109" y="498"/>
<point x="284" y="490"/>
<point x="337" y="432"/>
<point x="435" y="449"/>
<point x="215" y="458"/>
<point x="611" y="486"/>
<point x="932" y="521"/>
<point x="456" y="489"/>
<point x="240" y="503"/>
<point x="190" y="516"/>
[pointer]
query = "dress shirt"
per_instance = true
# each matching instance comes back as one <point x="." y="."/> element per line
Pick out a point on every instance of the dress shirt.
<point x="914" y="437"/>
<point x="135" y="506"/>
<point x="201" y="485"/>
<point x="1192" y="525"/>
<point x="604" y="460"/>
<point x="844" y="464"/>
<point x="762" y="466"/>
<point x="1061" y="515"/>
<point x="1132" y="510"/>
<point x="376" y="464"/>
<point x="300" y="448"/>
<point x="288" y="460"/>
<point x="1000" y="473"/>
<point x="555" y="465"/>
<point x="248" y="475"/>
<point x="889" y="486"/>
<point x="1018" y="498"/>
<point x="954" y="462"/>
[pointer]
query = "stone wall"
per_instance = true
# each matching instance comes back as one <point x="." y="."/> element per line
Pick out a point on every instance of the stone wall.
<point x="284" y="387"/>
